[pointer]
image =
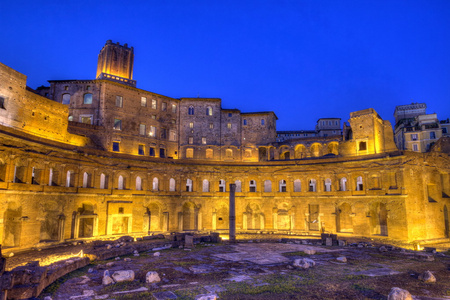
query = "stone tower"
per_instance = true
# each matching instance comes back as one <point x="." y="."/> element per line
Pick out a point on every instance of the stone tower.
<point x="115" y="62"/>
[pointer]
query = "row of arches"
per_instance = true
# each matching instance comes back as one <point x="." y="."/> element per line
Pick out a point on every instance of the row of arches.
<point x="298" y="151"/>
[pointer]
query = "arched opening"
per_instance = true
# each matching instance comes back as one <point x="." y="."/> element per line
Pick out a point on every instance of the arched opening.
<point x="87" y="180"/>
<point x="138" y="183"/>
<point x="344" y="221"/>
<point x="155" y="184"/>
<point x="103" y="181"/>
<point x="252" y="186"/>
<point x="262" y="153"/>
<point x="343" y="184"/>
<point x="312" y="185"/>
<point x="222" y="186"/>
<point x="359" y="184"/>
<point x="333" y="148"/>
<point x="297" y="185"/>
<point x="315" y="150"/>
<point x="238" y="186"/>
<point x="205" y="186"/>
<point x="70" y="178"/>
<point x="189" y="185"/>
<point x="253" y="218"/>
<point x="285" y="154"/>
<point x="282" y="186"/>
<point x="300" y="151"/>
<point x="327" y="185"/>
<point x="121" y="183"/>
<point x="50" y="222"/>
<point x="267" y="186"/>
<point x="172" y="187"/>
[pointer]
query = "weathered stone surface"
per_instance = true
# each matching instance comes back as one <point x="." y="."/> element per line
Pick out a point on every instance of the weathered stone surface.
<point x="427" y="277"/>
<point x="156" y="254"/>
<point x="304" y="263"/>
<point x="399" y="294"/>
<point x="188" y="241"/>
<point x="342" y="259"/>
<point x="152" y="276"/>
<point x="382" y="249"/>
<point x="125" y="275"/>
<point x="310" y="251"/>
<point x="206" y="297"/>
<point x="164" y="295"/>
<point x="329" y="241"/>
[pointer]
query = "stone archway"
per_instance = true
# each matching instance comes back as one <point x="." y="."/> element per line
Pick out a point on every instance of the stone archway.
<point x="253" y="218"/>
<point x="221" y="218"/>
<point x="189" y="217"/>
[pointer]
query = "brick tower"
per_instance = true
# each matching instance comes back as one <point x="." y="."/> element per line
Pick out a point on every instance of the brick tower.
<point x="115" y="62"/>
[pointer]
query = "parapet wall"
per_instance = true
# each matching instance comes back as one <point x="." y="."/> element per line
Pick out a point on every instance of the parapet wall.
<point x="31" y="113"/>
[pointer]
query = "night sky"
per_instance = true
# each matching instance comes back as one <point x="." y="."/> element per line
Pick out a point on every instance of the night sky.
<point x="301" y="59"/>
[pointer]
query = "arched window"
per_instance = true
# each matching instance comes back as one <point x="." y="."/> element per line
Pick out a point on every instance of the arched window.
<point x="66" y="99"/>
<point x="86" y="180"/>
<point x="238" y="186"/>
<point x="312" y="185"/>
<point x="205" y="186"/>
<point x="191" y="110"/>
<point x="50" y="177"/>
<point x="267" y="186"/>
<point x="103" y="181"/>
<point x="359" y="184"/>
<point x="69" y="178"/>
<point x="327" y="185"/>
<point x="87" y="98"/>
<point x="297" y="185"/>
<point x="155" y="184"/>
<point x="229" y="152"/>
<point x="209" y="111"/>
<point x="138" y="183"/>
<point x="172" y="187"/>
<point x="282" y="187"/>
<point x="120" y="183"/>
<point x="189" y="185"/>
<point x="222" y="185"/>
<point x="343" y="184"/>
<point x="252" y="186"/>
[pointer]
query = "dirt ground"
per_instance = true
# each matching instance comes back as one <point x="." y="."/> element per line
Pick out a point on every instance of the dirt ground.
<point x="261" y="270"/>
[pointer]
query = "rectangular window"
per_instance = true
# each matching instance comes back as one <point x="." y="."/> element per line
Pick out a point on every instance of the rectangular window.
<point x="191" y="125"/>
<point x="163" y="133"/>
<point x="119" y="101"/>
<point x="87" y="99"/>
<point x="444" y="129"/>
<point x="203" y="140"/>
<point x="432" y="135"/>
<point x="141" y="149"/>
<point x="151" y="151"/>
<point x="172" y="135"/>
<point x="154" y="117"/>
<point x="86" y="119"/>
<point x="152" y="132"/>
<point x="164" y="106"/>
<point x="230" y="115"/>
<point x="162" y="152"/>
<point x="174" y="108"/>
<point x="154" y="104"/>
<point x="263" y="122"/>
<point x="414" y="137"/>
<point x="143" y="101"/>
<point x="211" y="125"/>
<point x="116" y="146"/>
<point x="229" y="125"/>
<point x="88" y="88"/>
<point x="142" y="129"/>
<point x="415" y="147"/>
<point x="191" y="140"/>
<point x="66" y="88"/>
<point x="2" y="103"/>
<point x="117" y="124"/>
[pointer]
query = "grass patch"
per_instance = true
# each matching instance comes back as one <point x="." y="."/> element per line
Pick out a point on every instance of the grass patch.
<point x="123" y="286"/>
<point x="138" y="296"/>
<point x="186" y="262"/>
<point x="52" y="288"/>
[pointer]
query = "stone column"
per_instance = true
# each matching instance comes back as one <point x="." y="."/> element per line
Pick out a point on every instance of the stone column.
<point x="214" y="221"/>
<point x="232" y="214"/>
<point x="165" y="221"/>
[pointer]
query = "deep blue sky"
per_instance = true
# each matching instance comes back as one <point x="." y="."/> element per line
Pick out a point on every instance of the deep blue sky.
<point x="301" y="59"/>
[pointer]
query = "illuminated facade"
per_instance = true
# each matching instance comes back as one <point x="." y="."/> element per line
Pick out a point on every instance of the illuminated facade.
<point x="129" y="161"/>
